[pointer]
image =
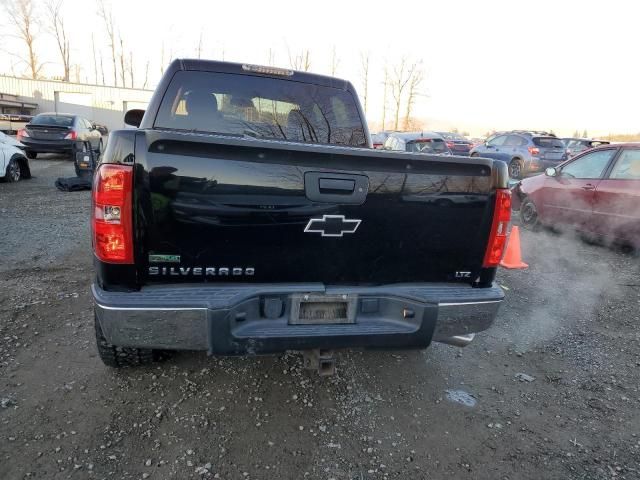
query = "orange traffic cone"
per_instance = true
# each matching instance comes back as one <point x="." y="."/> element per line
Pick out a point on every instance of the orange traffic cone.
<point x="513" y="257"/>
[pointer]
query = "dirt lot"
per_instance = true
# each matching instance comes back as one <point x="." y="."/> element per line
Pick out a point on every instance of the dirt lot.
<point x="569" y="323"/>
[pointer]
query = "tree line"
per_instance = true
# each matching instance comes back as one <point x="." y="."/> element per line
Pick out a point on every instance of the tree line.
<point x="30" y="23"/>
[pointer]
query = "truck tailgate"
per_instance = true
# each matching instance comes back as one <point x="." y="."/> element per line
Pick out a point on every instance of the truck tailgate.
<point x="221" y="209"/>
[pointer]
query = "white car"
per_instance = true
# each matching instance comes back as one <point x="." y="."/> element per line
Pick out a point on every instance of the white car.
<point x="13" y="162"/>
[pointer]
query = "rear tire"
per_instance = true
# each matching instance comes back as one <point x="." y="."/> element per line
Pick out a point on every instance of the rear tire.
<point x="119" y="357"/>
<point x="529" y="215"/>
<point x="515" y="169"/>
<point x="31" y="155"/>
<point x="475" y="154"/>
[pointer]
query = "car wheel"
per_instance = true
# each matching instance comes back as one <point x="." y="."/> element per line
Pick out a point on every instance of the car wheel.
<point x="14" y="172"/>
<point x="529" y="215"/>
<point x="475" y="154"/>
<point x="515" y="169"/>
<point x="31" y="155"/>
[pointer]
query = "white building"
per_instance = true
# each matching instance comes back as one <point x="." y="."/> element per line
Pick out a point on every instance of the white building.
<point x="100" y="104"/>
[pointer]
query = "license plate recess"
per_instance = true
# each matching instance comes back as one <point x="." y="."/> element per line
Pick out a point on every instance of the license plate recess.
<point x="315" y="309"/>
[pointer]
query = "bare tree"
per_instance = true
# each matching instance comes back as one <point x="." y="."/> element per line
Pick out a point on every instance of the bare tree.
<point x="95" y="59"/>
<point x="131" y="67"/>
<point x="199" y="49"/>
<point x="102" y="70"/>
<point x="162" y="58"/>
<point x="335" y="61"/>
<point x="300" y="61"/>
<point x="105" y="13"/>
<point x="294" y="60"/>
<point x="123" y="70"/>
<point x="403" y="74"/>
<point x="59" y="32"/>
<point x="306" y="65"/>
<point x="364" y="62"/>
<point x="399" y="80"/>
<point x="385" y="85"/>
<point x="146" y="75"/>
<point x="25" y="20"/>
<point x="417" y="76"/>
<point x="271" y="57"/>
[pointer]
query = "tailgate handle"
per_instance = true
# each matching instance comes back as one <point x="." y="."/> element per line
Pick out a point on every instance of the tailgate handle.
<point x="336" y="185"/>
<point x="341" y="188"/>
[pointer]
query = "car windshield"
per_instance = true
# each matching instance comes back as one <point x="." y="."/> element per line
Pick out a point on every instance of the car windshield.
<point x="427" y="145"/>
<point x="53" y="120"/>
<point x="261" y="107"/>
<point x="548" y="142"/>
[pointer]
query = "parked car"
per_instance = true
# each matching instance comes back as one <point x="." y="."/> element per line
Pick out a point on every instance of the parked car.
<point x="378" y="139"/>
<point x="297" y="236"/>
<point x="418" y="142"/>
<point x="578" y="145"/>
<point x="9" y="140"/>
<point x="596" y="192"/>
<point x="524" y="152"/>
<point x="456" y="143"/>
<point x="14" y="165"/>
<point x="58" y="133"/>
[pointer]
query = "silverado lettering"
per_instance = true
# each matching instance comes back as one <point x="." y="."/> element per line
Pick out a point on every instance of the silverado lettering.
<point x="206" y="271"/>
<point x="348" y="246"/>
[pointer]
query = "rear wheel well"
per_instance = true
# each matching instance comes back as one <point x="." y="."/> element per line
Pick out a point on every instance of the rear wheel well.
<point x="516" y="167"/>
<point x="25" y="171"/>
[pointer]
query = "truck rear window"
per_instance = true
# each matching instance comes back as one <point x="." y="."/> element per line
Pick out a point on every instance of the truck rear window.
<point x="548" y="142"/>
<point x="261" y="107"/>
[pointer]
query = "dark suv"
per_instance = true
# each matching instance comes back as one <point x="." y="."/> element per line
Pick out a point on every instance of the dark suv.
<point x="523" y="151"/>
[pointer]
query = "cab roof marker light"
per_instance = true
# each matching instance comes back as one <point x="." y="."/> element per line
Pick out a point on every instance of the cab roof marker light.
<point x="267" y="70"/>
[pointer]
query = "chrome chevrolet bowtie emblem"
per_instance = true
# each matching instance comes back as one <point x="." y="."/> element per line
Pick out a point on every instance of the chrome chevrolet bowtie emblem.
<point x="332" y="225"/>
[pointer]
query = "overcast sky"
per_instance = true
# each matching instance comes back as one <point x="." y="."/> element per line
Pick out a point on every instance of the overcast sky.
<point x="488" y="64"/>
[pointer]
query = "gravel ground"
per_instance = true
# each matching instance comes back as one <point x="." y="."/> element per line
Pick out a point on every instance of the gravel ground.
<point x="551" y="391"/>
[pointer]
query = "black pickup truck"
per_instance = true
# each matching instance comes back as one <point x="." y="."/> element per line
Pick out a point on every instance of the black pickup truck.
<point x="249" y="214"/>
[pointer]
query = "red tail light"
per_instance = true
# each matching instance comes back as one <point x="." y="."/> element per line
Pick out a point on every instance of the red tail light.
<point x="22" y="133"/>
<point x="72" y="135"/>
<point x="499" y="229"/>
<point x="534" y="150"/>
<point x="112" y="221"/>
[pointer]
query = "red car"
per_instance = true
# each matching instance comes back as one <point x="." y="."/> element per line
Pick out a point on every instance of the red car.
<point x="596" y="192"/>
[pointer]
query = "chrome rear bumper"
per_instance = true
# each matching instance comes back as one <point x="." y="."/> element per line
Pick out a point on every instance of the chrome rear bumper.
<point x="232" y="319"/>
